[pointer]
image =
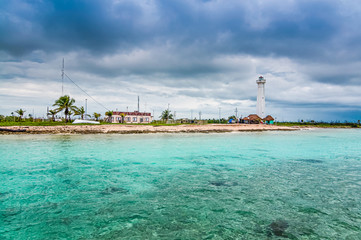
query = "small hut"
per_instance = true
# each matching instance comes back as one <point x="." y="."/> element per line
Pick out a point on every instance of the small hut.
<point x="245" y="120"/>
<point x="269" y="119"/>
<point x="254" y="119"/>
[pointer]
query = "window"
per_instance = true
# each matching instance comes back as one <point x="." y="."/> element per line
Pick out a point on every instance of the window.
<point x="141" y="119"/>
<point x="147" y="119"/>
<point x="134" y="119"/>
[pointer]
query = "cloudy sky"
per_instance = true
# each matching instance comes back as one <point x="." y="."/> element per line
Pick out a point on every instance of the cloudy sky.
<point x="194" y="55"/>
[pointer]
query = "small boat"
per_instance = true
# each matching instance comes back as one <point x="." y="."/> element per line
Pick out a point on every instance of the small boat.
<point x="12" y="130"/>
<point x="80" y="121"/>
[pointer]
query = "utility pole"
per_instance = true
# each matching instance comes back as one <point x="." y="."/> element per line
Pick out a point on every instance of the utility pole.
<point x="200" y="115"/>
<point x="168" y="113"/>
<point x="236" y="115"/>
<point x="219" y="114"/>
<point x="138" y="103"/>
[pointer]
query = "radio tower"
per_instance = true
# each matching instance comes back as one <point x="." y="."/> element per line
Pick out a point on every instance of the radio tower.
<point x="62" y="79"/>
<point x="261" y="99"/>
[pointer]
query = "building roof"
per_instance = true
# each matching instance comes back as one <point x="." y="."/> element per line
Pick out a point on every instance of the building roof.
<point x="135" y="113"/>
<point x="254" y="117"/>
<point x="246" y="118"/>
<point x="269" y="118"/>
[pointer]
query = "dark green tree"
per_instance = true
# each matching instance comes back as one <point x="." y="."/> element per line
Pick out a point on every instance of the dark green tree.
<point x="109" y="114"/>
<point x="81" y="112"/>
<point x="52" y="113"/>
<point x="20" y="112"/>
<point x="96" y="116"/>
<point x="166" y="115"/>
<point x="66" y="104"/>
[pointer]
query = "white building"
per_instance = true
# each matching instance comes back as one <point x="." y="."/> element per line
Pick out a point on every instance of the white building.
<point x="261" y="98"/>
<point x="132" y="117"/>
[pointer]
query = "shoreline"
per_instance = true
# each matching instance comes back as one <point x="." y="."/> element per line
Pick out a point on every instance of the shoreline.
<point x="139" y="129"/>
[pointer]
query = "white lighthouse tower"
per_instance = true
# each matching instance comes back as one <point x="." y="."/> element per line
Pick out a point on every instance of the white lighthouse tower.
<point x="261" y="99"/>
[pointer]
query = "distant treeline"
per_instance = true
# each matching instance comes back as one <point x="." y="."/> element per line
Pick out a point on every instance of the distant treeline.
<point x="321" y="124"/>
<point x="19" y="119"/>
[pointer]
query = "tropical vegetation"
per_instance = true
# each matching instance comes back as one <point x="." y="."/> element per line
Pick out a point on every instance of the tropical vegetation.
<point x="81" y="112"/>
<point x="96" y="116"/>
<point x="109" y="114"/>
<point x="20" y="112"/>
<point x="122" y="115"/>
<point x="66" y="104"/>
<point x="166" y="115"/>
<point x="52" y="113"/>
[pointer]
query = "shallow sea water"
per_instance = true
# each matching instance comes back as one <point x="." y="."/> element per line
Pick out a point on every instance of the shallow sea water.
<point x="259" y="185"/>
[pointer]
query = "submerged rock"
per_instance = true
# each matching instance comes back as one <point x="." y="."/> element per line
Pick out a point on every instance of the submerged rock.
<point x="278" y="228"/>
<point x="3" y="194"/>
<point x="310" y="160"/>
<point x="222" y="183"/>
<point x="110" y="190"/>
<point x="218" y="183"/>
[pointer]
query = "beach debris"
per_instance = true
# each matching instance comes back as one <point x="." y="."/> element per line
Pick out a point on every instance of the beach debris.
<point x="111" y="190"/>
<point x="278" y="228"/>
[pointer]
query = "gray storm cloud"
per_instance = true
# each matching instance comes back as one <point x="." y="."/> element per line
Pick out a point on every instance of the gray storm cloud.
<point x="207" y="53"/>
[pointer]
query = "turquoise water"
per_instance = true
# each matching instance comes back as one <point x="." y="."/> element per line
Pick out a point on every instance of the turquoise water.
<point x="266" y="185"/>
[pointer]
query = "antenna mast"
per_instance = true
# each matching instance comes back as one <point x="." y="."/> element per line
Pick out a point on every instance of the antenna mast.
<point x="138" y="103"/>
<point x="62" y="79"/>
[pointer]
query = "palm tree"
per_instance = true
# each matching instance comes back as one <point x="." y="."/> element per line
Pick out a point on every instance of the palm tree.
<point x="21" y="113"/>
<point x="122" y="115"/>
<point x="67" y="104"/>
<point x="81" y="111"/>
<point x="166" y="114"/>
<point x="96" y="116"/>
<point x="52" y="113"/>
<point x="69" y="115"/>
<point x="109" y="114"/>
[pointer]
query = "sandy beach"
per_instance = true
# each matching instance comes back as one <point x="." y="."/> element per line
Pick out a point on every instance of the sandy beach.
<point x="130" y="129"/>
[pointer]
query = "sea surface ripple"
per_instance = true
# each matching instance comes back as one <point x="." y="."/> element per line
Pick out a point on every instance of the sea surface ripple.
<point x="261" y="185"/>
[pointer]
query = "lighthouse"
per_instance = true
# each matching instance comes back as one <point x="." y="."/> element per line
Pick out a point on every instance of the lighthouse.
<point x="261" y="100"/>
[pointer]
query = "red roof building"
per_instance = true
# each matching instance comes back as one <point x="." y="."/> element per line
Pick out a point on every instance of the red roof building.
<point x="131" y="117"/>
